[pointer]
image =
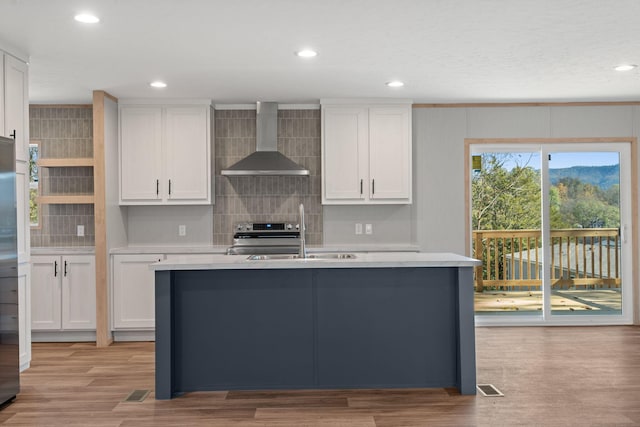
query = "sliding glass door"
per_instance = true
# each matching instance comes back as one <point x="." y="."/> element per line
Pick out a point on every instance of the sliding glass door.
<point x="551" y="224"/>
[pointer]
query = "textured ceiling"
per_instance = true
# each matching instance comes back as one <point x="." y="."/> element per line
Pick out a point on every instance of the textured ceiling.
<point x="239" y="51"/>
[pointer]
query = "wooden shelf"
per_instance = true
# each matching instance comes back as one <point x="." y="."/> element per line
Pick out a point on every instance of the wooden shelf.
<point x="66" y="199"/>
<point x="68" y="162"/>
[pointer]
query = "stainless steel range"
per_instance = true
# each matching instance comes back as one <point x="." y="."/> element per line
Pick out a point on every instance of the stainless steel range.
<point x="256" y="238"/>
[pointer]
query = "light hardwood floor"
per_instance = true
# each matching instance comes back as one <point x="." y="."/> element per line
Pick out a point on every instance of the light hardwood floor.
<point x="550" y="377"/>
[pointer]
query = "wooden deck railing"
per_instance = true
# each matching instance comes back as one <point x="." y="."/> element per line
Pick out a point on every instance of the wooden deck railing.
<point x="579" y="257"/>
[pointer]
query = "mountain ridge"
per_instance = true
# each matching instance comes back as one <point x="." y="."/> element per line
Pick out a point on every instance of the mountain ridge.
<point x="599" y="176"/>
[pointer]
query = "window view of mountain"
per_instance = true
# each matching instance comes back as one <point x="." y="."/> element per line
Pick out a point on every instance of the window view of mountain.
<point x="600" y="176"/>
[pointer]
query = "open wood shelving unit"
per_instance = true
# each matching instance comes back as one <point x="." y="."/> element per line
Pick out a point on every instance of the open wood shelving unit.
<point x="67" y="198"/>
<point x="65" y="163"/>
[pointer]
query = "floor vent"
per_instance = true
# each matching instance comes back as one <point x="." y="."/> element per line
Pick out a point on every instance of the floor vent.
<point x="137" y="396"/>
<point x="489" y="390"/>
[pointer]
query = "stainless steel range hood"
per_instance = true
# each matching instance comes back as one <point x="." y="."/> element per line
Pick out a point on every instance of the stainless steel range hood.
<point x="266" y="160"/>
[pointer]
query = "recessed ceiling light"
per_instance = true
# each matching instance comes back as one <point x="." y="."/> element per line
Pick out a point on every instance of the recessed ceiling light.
<point x="158" y="84"/>
<point x="625" y="67"/>
<point x="86" y="18"/>
<point x="306" y="53"/>
<point x="395" y="83"/>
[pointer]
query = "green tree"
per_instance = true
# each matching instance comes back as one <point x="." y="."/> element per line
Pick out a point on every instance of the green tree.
<point x="555" y="204"/>
<point x="585" y="205"/>
<point x="33" y="183"/>
<point x="505" y="199"/>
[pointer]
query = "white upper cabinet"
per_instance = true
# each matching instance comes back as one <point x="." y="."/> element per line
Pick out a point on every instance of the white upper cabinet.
<point x="15" y="121"/>
<point x="140" y="154"/>
<point x="390" y="153"/>
<point x="187" y="158"/>
<point x="366" y="152"/>
<point x="344" y="153"/>
<point x="165" y="154"/>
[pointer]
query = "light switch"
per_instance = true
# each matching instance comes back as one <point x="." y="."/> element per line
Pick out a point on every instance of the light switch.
<point x="182" y="230"/>
<point x="368" y="228"/>
<point x="358" y="228"/>
<point x="80" y="231"/>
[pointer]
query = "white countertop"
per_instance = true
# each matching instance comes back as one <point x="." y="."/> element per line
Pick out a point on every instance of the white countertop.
<point x="362" y="260"/>
<point x="132" y="250"/>
<point x="219" y="249"/>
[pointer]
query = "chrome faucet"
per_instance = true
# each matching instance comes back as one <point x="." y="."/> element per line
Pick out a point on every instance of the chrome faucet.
<point x="302" y="253"/>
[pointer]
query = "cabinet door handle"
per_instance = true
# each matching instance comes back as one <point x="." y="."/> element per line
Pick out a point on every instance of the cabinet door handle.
<point x="157" y="187"/>
<point x="169" y="187"/>
<point x="55" y="268"/>
<point x="65" y="269"/>
<point x="373" y="186"/>
<point x="361" y="187"/>
<point x="13" y="135"/>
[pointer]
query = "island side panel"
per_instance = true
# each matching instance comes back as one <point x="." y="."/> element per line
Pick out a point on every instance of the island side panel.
<point x="164" y="336"/>
<point x="467" y="335"/>
<point x="243" y="329"/>
<point x="387" y="327"/>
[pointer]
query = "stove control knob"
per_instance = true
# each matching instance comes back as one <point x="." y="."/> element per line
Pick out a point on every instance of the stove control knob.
<point x="289" y="226"/>
<point x="298" y="227"/>
<point x="239" y="227"/>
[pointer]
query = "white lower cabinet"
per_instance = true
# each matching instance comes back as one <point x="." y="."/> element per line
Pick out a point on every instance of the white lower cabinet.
<point x="133" y="295"/>
<point x="134" y="291"/>
<point x="63" y="293"/>
<point x="24" y="316"/>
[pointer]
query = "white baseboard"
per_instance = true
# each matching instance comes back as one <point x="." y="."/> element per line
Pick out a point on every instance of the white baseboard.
<point x="134" y="335"/>
<point x="63" y="336"/>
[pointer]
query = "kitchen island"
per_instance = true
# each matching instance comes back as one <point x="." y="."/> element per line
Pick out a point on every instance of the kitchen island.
<point x="379" y="320"/>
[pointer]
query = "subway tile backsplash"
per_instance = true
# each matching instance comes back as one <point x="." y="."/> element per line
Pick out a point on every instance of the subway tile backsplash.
<point x="63" y="132"/>
<point x="267" y="198"/>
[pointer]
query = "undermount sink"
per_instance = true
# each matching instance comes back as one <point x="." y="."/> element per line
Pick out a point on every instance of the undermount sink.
<point x="297" y="257"/>
<point x="331" y="256"/>
<point x="274" y="256"/>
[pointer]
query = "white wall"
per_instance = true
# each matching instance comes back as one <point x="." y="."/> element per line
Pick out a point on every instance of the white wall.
<point x="392" y="225"/>
<point x="439" y="179"/>
<point x="158" y="225"/>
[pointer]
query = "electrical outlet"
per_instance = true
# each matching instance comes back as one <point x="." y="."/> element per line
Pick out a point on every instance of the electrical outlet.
<point x="358" y="228"/>
<point x="368" y="228"/>
<point x="182" y="230"/>
<point x="80" y="231"/>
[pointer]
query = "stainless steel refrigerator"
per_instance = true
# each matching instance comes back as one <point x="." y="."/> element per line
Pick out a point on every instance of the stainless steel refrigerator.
<point x="9" y="351"/>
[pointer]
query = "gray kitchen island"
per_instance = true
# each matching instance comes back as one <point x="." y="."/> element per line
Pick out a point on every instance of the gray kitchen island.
<point x="380" y="320"/>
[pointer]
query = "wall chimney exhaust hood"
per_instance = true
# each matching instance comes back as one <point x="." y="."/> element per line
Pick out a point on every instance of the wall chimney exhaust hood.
<point x="266" y="160"/>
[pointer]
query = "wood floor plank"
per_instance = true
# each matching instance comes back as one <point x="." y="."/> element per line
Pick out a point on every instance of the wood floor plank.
<point x="552" y="376"/>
